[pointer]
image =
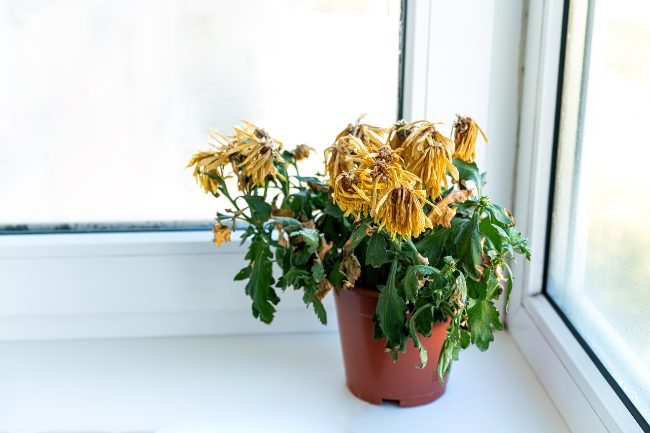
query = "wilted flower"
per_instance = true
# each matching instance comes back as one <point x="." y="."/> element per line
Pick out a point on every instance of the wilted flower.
<point x="465" y="133"/>
<point x="400" y="212"/>
<point x="336" y="158"/>
<point x="221" y="234"/>
<point x="427" y="154"/>
<point x="251" y="152"/>
<point x="349" y="196"/>
<point x="302" y="151"/>
<point x="371" y="136"/>
<point x="208" y="169"/>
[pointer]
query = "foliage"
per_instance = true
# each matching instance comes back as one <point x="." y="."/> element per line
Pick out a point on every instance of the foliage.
<point x="449" y="263"/>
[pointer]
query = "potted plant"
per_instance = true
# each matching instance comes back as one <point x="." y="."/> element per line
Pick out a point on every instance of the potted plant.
<point x="398" y="227"/>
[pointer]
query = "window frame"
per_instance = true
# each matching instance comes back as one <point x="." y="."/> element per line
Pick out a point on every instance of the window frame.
<point x="578" y="388"/>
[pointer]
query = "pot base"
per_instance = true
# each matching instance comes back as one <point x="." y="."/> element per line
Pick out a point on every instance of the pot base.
<point x="404" y="402"/>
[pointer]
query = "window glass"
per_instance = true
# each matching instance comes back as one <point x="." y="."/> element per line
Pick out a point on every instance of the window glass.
<point x="103" y="102"/>
<point x="599" y="258"/>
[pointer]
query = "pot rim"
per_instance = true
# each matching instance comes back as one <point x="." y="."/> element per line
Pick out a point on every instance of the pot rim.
<point x="370" y="293"/>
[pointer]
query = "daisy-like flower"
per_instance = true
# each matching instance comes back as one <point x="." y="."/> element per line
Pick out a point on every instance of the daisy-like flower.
<point x="400" y="212"/>
<point x="465" y="133"/>
<point x="251" y="152"/>
<point x="427" y="154"/>
<point x="221" y="234"/>
<point x="302" y="151"/>
<point x="371" y="136"/>
<point x="336" y="158"/>
<point x="259" y="153"/>
<point x="349" y="196"/>
<point x="208" y="169"/>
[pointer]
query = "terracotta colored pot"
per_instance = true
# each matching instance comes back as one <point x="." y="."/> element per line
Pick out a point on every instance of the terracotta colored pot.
<point x="370" y="372"/>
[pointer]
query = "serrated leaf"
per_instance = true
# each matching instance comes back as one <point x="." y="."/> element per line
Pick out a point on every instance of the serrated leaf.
<point x="359" y="234"/>
<point x="499" y="214"/>
<point x="319" y="309"/>
<point x="432" y="244"/>
<point x="376" y="253"/>
<point x="469" y="171"/>
<point x="310" y="237"/>
<point x="412" y="281"/>
<point x="243" y="274"/>
<point x="260" y="283"/>
<point x="391" y="310"/>
<point x="483" y="317"/>
<point x="286" y="221"/>
<point x="317" y="271"/>
<point x="260" y="210"/>
<point x="468" y="246"/>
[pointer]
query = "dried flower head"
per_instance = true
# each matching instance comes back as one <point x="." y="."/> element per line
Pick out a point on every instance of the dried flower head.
<point x="302" y="151"/>
<point x="208" y="169"/>
<point x="251" y="152"/>
<point x="336" y="158"/>
<point x="427" y="154"/>
<point x="465" y="133"/>
<point x="349" y="196"/>
<point x="221" y="234"/>
<point x="371" y="136"/>
<point x="400" y="212"/>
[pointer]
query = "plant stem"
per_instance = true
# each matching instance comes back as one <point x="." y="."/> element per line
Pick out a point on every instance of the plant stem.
<point x="421" y="259"/>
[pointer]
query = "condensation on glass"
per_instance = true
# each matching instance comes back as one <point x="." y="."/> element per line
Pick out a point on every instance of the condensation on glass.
<point x="599" y="262"/>
<point x="103" y="103"/>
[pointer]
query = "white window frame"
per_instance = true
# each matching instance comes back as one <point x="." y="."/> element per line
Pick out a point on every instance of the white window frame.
<point x="576" y="386"/>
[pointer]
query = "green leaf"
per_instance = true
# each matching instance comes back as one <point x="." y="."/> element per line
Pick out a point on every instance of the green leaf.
<point x="469" y="171"/>
<point x="376" y="254"/>
<point x="260" y="210"/>
<point x="391" y="310"/>
<point x="260" y="283"/>
<point x="335" y="276"/>
<point x="432" y="245"/>
<point x="499" y="214"/>
<point x="359" y="234"/>
<point x="468" y="246"/>
<point x="310" y="237"/>
<point x="243" y="274"/>
<point x="286" y="221"/>
<point x="412" y="280"/>
<point x="319" y="309"/>
<point x="483" y="317"/>
<point x="317" y="271"/>
<point x="487" y="288"/>
<point x="493" y="234"/>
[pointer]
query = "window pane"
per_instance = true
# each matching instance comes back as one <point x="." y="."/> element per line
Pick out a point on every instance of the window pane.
<point x="103" y="102"/>
<point x="599" y="268"/>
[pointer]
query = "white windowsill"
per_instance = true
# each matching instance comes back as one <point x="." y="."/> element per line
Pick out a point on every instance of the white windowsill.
<point x="283" y="382"/>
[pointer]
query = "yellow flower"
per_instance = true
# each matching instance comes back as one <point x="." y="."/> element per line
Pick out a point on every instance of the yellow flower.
<point x="336" y="155"/>
<point x="251" y="152"/>
<point x="400" y="212"/>
<point x="349" y="196"/>
<point x="258" y="153"/>
<point x="221" y="234"/>
<point x="208" y="166"/>
<point x="371" y="136"/>
<point x="302" y="151"/>
<point x="465" y="133"/>
<point x="427" y="154"/>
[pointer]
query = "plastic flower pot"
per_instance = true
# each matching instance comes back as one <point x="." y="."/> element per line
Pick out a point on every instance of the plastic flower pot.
<point x="371" y="374"/>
